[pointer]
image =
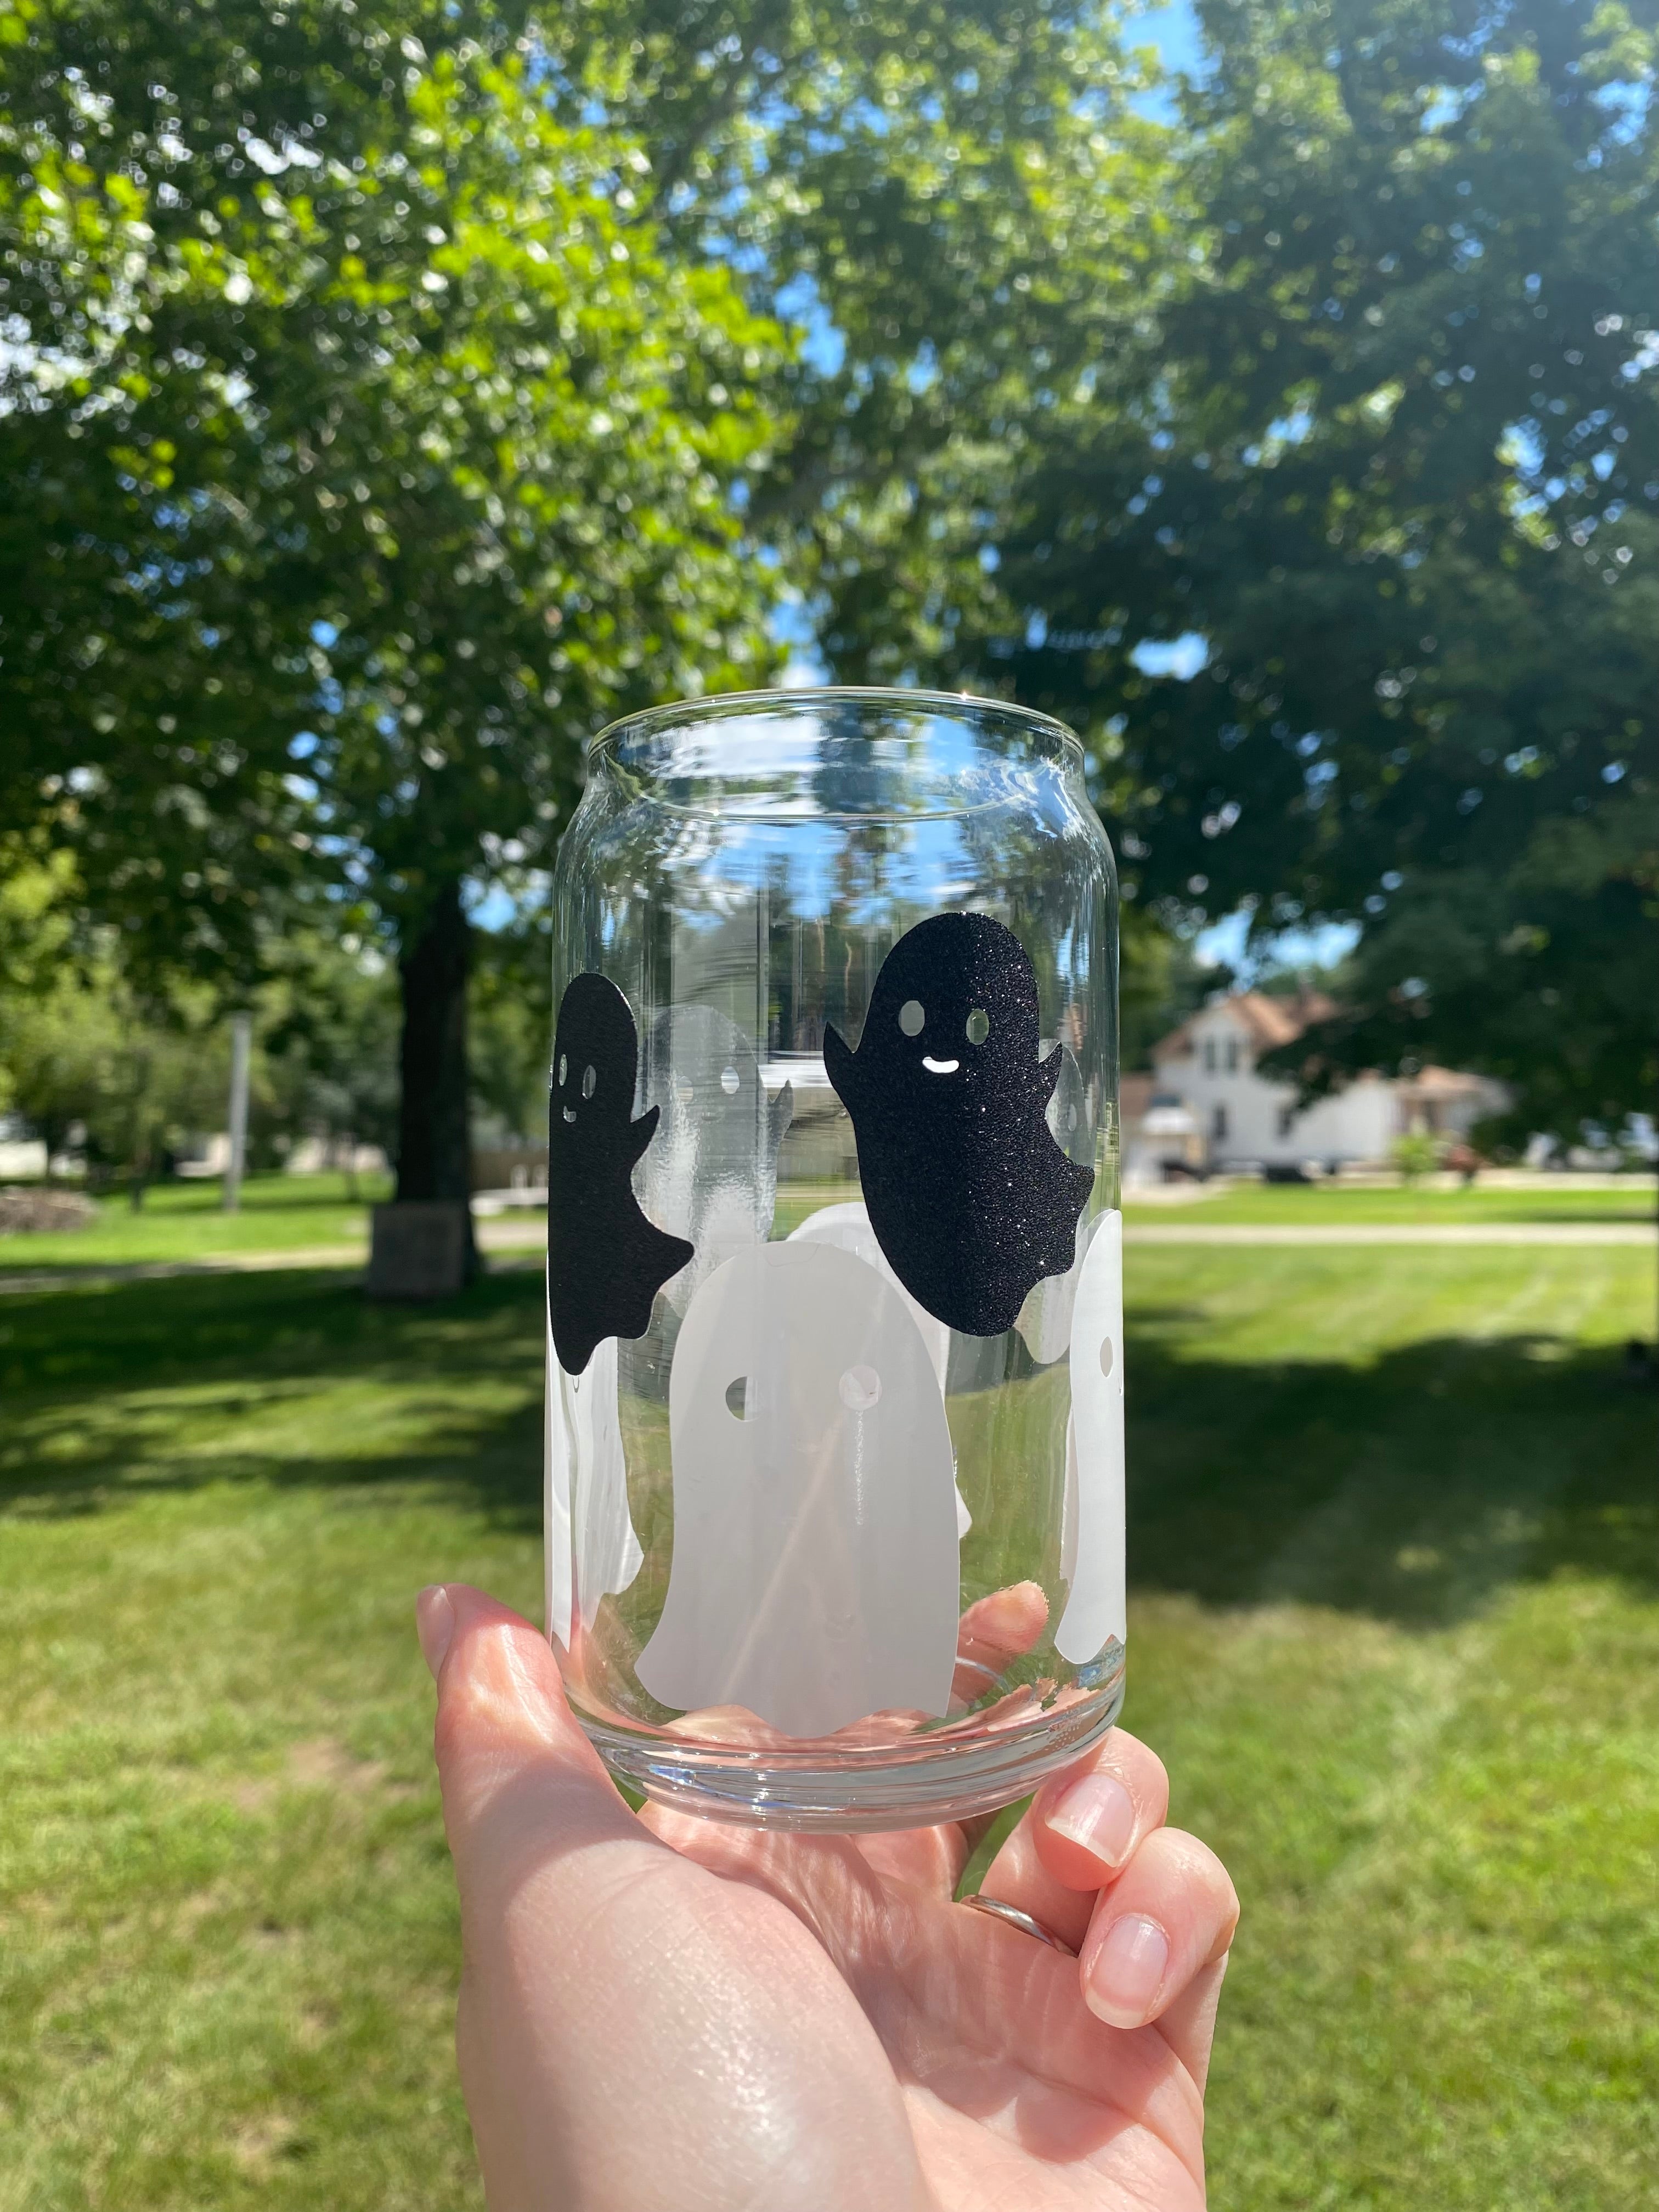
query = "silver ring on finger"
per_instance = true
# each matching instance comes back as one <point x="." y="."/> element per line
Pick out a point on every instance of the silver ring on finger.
<point x="1027" y="1922"/>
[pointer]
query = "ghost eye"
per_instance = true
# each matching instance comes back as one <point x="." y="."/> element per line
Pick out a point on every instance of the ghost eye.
<point x="590" y="1082"/>
<point x="912" y="1018"/>
<point x="737" y="1396"/>
<point x="860" y="1387"/>
<point x="1106" y="1355"/>
<point x="979" y="1026"/>
<point x="729" y="1081"/>
<point x="564" y="1070"/>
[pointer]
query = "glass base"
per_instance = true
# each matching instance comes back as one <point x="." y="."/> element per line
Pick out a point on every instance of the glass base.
<point x="919" y="1783"/>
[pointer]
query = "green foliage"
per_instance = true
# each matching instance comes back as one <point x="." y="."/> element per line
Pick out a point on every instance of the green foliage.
<point x="1350" y="370"/>
<point x="1414" y="1155"/>
<point x="1160" y="983"/>
<point x="126" y="1082"/>
<point x="510" y="1020"/>
<point x="137" y="1075"/>
<point x="1544" y="968"/>
<point x="60" y="1057"/>
<point x="348" y="394"/>
<point x="327" y="1035"/>
<point x="1397" y="391"/>
<point x="83" y="1052"/>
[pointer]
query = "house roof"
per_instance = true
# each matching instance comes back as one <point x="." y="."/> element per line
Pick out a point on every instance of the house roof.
<point x="1444" y="1083"/>
<point x="1269" y="1022"/>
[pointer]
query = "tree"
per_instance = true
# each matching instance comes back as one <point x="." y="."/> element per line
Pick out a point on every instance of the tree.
<point x="1160" y="983"/>
<point x="363" y="454"/>
<point x="972" y="196"/>
<point x="513" y="1020"/>
<point x="59" y="1040"/>
<point x="91" y="1065"/>
<point x="328" y="1037"/>
<point x="60" y="1059"/>
<point x="1364" y="397"/>
<point x="1543" y="970"/>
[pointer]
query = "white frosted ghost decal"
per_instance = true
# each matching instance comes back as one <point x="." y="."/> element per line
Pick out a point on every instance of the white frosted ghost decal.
<point x="555" y="1498"/>
<point x="711" y="1174"/>
<point x="606" y="1551"/>
<point x="815" y="1577"/>
<point x="591" y="1549"/>
<point x="847" y="1226"/>
<point x="1092" y="1544"/>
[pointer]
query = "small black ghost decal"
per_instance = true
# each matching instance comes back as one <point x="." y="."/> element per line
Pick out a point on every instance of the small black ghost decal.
<point x="606" y="1262"/>
<point x="969" y="1197"/>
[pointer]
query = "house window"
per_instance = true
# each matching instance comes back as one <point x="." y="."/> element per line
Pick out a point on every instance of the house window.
<point x="1218" y="1125"/>
<point x="1232" y="1056"/>
<point x="1286" y="1119"/>
<point x="1209" y="1055"/>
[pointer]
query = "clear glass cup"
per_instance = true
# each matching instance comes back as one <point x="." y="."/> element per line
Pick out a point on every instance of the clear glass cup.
<point x="835" y="1367"/>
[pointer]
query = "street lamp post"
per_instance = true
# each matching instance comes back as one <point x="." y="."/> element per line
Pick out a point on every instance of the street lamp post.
<point x="241" y="1044"/>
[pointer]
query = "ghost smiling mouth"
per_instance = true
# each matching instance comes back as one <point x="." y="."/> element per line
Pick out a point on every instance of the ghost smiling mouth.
<point x="940" y="1067"/>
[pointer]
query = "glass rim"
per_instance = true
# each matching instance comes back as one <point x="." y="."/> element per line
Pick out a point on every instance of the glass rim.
<point x="607" y="741"/>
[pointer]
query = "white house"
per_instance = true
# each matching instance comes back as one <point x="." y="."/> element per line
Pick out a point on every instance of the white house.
<point x="1204" y="1082"/>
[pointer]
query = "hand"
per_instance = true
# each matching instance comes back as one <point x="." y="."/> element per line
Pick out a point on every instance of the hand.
<point x="662" y="2012"/>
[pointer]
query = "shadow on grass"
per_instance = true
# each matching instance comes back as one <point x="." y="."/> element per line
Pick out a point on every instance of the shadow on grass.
<point x="1409" y="1487"/>
<point x="113" y="1390"/>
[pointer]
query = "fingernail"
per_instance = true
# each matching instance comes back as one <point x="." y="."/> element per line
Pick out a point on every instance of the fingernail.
<point x="1098" y="1815"/>
<point x="435" y="1624"/>
<point x="1125" y="1971"/>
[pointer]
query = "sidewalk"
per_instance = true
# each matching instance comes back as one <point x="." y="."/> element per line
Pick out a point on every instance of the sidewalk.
<point x="1431" y="1232"/>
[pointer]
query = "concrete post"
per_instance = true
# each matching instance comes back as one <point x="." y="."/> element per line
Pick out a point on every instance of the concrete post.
<point x="241" y="1044"/>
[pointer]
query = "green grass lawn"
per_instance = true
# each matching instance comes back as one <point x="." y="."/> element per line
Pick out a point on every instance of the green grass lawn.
<point x="181" y="1222"/>
<point x="1394" y="1559"/>
<point x="187" y="1221"/>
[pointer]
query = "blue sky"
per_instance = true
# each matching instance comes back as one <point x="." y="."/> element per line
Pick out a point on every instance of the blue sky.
<point x="1173" y="30"/>
<point x="1223" y="943"/>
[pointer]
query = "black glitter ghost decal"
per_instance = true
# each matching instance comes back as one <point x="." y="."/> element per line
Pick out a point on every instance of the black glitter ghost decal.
<point x="606" y="1262"/>
<point x="969" y="1197"/>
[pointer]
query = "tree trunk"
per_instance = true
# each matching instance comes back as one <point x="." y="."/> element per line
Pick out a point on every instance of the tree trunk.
<point x="432" y="1144"/>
